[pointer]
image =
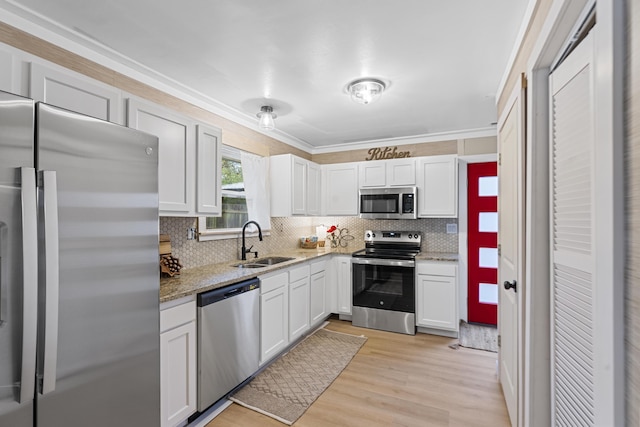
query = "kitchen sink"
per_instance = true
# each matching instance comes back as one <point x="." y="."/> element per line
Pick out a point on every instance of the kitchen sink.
<point x="263" y="262"/>
<point x="272" y="260"/>
<point x="249" y="265"/>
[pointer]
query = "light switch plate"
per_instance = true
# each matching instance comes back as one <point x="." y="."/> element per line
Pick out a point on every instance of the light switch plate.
<point x="452" y="228"/>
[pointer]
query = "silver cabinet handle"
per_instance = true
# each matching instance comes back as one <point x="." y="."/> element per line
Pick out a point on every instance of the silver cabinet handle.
<point x="50" y="204"/>
<point x="30" y="282"/>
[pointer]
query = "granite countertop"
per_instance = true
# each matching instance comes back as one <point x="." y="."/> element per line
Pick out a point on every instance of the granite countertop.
<point x="213" y="276"/>
<point x="437" y="256"/>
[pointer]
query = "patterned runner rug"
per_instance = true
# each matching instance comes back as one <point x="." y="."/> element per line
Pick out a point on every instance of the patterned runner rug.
<point x="287" y="387"/>
<point x="478" y="336"/>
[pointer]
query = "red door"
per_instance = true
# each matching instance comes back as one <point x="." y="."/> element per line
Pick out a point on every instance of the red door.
<point x="482" y="202"/>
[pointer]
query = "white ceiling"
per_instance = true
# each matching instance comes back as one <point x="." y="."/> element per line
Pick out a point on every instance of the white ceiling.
<point x="443" y="60"/>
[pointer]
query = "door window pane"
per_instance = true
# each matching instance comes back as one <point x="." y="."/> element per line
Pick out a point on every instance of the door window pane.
<point x="488" y="186"/>
<point x="488" y="293"/>
<point x="488" y="258"/>
<point x="488" y="222"/>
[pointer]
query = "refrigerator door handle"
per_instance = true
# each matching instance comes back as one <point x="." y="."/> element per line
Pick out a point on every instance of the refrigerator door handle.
<point x="30" y="282"/>
<point x="50" y="203"/>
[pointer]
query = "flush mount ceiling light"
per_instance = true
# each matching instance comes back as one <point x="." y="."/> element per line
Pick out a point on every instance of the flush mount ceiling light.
<point x="366" y="91"/>
<point x="265" y="118"/>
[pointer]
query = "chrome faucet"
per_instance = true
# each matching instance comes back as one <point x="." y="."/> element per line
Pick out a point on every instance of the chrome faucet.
<point x="245" y="251"/>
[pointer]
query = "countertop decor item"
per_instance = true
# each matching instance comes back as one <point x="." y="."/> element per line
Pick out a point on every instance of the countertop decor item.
<point x="309" y="242"/>
<point x="333" y="235"/>
<point x="286" y="389"/>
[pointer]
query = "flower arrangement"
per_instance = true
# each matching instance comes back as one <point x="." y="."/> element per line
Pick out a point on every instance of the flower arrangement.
<point x="333" y="234"/>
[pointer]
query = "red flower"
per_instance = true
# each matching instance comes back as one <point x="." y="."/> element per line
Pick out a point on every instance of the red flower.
<point x="332" y="229"/>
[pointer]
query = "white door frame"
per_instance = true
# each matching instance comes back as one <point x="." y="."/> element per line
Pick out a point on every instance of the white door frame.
<point x="559" y="25"/>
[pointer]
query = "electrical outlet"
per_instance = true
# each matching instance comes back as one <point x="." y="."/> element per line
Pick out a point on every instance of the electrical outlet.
<point x="452" y="228"/>
<point x="191" y="233"/>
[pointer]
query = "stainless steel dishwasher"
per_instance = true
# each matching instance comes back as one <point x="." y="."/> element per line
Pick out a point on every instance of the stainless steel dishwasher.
<point x="228" y="339"/>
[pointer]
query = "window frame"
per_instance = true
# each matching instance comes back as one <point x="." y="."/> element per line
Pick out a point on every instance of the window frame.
<point x="205" y="234"/>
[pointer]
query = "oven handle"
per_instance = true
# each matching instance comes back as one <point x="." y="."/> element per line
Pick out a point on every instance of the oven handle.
<point x="387" y="262"/>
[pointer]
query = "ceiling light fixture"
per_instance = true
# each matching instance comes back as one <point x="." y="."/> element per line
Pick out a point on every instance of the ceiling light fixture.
<point x="366" y="91"/>
<point x="266" y="117"/>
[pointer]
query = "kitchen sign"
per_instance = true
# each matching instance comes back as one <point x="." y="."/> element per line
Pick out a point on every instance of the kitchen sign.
<point x="387" y="153"/>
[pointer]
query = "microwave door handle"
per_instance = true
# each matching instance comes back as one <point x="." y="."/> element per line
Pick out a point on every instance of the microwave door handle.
<point x="30" y="283"/>
<point x="51" y="253"/>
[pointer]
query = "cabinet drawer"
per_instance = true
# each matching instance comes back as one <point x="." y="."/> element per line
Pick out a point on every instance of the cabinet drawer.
<point x="269" y="283"/>
<point x="298" y="273"/>
<point x="437" y="268"/>
<point x="178" y="315"/>
<point x="318" y="266"/>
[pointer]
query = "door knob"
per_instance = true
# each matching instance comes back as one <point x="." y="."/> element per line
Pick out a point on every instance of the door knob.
<point x="508" y="285"/>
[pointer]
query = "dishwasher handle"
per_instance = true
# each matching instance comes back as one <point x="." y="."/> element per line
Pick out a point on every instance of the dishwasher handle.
<point x="215" y="295"/>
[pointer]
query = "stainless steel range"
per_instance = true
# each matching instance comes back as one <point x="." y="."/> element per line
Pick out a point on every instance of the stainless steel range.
<point x="384" y="281"/>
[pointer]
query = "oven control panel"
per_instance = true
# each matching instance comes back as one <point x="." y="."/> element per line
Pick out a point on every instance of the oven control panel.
<point x="379" y="236"/>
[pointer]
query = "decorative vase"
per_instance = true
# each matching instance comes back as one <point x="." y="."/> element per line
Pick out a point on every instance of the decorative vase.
<point x="334" y="243"/>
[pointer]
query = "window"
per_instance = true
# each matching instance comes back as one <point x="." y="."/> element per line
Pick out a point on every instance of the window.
<point x="234" y="202"/>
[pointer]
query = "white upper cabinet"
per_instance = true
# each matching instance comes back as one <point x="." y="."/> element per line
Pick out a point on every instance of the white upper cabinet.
<point x="437" y="186"/>
<point x="295" y="186"/>
<point x="208" y="171"/>
<point x="314" y="179"/>
<point x="387" y="173"/>
<point x="189" y="156"/>
<point x="176" y="154"/>
<point x="75" y="92"/>
<point x="340" y="189"/>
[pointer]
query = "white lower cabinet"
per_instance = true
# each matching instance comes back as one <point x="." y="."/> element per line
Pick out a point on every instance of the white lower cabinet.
<point x="178" y="361"/>
<point x="317" y="293"/>
<point x="343" y="281"/>
<point x="437" y="296"/>
<point x="298" y="302"/>
<point x="274" y="315"/>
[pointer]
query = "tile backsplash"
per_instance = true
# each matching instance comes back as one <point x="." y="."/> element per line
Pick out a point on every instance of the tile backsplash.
<point x="285" y="233"/>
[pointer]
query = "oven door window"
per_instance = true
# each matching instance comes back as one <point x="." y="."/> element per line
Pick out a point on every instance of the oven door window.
<point x="384" y="287"/>
<point x="379" y="203"/>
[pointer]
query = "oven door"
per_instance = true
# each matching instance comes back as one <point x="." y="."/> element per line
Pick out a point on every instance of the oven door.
<point x="384" y="284"/>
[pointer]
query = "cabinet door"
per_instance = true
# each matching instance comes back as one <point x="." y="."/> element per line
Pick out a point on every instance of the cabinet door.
<point x="437" y="302"/>
<point x="299" y="186"/>
<point x="298" y="308"/>
<point x="372" y="174"/>
<point x="401" y="172"/>
<point x="438" y="186"/>
<point x="274" y="322"/>
<point x="344" y="284"/>
<point x="208" y="171"/>
<point x="318" y="298"/>
<point x="76" y="93"/>
<point x="313" y="189"/>
<point x="341" y="189"/>
<point x="176" y="155"/>
<point x="178" y="369"/>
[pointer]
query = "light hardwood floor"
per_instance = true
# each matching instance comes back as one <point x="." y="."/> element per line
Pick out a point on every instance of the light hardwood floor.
<point x="400" y="380"/>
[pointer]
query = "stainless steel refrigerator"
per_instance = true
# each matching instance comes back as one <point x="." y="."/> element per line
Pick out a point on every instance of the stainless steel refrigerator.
<point x="79" y="279"/>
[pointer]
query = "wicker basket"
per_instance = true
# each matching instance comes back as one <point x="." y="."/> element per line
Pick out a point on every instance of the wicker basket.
<point x="308" y="245"/>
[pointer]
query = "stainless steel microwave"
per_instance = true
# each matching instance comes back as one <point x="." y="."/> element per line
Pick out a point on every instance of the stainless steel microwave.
<point x="389" y="203"/>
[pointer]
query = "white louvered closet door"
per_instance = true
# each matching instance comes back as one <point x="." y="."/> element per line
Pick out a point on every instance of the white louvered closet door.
<point x="572" y="242"/>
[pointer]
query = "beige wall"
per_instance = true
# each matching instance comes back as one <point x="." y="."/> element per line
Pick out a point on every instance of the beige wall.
<point x="520" y="64"/>
<point x="233" y="134"/>
<point x="469" y="146"/>
<point x="632" y="196"/>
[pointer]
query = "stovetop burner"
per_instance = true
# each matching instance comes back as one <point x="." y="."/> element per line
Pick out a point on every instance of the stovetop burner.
<point x="390" y="244"/>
